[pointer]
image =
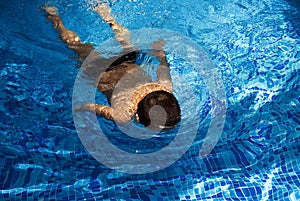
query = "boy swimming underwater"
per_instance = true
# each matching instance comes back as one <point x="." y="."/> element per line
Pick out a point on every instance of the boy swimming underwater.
<point x="129" y="91"/>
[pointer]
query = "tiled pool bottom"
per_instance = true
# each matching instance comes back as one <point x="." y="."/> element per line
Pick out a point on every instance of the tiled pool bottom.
<point x="225" y="175"/>
<point x="255" y="45"/>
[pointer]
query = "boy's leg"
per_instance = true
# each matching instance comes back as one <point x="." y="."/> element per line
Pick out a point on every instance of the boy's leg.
<point x="122" y="34"/>
<point x="68" y="36"/>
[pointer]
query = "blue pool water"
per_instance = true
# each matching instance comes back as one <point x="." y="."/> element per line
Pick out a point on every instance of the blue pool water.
<point x="255" y="46"/>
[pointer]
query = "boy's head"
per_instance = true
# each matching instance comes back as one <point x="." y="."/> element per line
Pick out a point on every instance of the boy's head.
<point x="159" y="109"/>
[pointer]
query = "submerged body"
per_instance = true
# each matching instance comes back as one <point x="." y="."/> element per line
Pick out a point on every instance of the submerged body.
<point x="128" y="89"/>
<point x="125" y="84"/>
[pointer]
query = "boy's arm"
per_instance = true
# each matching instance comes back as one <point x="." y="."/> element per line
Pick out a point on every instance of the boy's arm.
<point x="99" y="110"/>
<point x="163" y="70"/>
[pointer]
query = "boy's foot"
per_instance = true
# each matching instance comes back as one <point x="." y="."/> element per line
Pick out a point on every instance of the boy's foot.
<point x="51" y="10"/>
<point x="104" y="11"/>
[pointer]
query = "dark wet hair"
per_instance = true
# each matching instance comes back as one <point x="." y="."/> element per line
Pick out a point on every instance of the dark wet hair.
<point x="167" y="102"/>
